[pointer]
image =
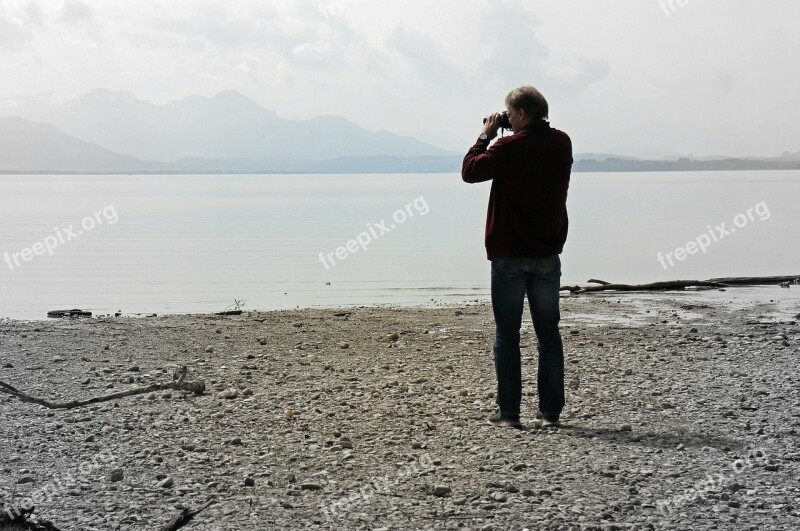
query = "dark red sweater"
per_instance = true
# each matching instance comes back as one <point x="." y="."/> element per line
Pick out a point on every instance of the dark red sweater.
<point x="527" y="214"/>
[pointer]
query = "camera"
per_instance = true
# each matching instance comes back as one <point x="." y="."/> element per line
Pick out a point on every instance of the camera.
<point x="504" y="123"/>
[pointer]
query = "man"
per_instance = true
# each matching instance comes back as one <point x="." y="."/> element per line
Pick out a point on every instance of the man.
<point x="526" y="227"/>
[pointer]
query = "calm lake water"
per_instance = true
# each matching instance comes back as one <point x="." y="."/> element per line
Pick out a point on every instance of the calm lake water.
<point x="176" y="244"/>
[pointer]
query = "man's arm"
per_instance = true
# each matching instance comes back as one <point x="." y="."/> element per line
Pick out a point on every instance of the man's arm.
<point x="480" y="163"/>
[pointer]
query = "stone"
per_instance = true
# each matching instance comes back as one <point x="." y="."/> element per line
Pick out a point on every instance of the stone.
<point x="229" y="394"/>
<point x="499" y="497"/>
<point x="441" y="490"/>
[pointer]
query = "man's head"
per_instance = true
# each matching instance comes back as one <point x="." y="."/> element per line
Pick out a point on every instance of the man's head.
<point x="526" y="105"/>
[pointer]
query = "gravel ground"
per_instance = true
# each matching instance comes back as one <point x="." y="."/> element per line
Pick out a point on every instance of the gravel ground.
<point x="682" y="413"/>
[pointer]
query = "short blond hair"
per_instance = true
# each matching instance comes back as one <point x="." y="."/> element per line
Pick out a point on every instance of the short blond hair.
<point x="530" y="100"/>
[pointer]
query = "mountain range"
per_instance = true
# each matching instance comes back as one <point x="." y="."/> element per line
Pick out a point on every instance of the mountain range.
<point x="111" y="132"/>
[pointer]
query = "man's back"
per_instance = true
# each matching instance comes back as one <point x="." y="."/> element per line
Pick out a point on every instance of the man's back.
<point x="527" y="215"/>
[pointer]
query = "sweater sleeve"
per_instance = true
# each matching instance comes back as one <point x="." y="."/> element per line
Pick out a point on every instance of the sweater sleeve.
<point x="482" y="164"/>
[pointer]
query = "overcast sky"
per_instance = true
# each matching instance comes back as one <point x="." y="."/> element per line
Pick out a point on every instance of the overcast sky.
<point x="705" y="77"/>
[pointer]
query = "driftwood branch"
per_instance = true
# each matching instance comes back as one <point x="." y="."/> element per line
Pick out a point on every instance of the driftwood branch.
<point x="676" y="285"/>
<point x="185" y="517"/>
<point x="21" y="521"/>
<point x="180" y="385"/>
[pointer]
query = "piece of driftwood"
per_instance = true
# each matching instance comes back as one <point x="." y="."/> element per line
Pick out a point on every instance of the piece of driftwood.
<point x="69" y="313"/>
<point x="197" y="388"/>
<point x="21" y="521"/>
<point x="185" y="517"/>
<point x="677" y="285"/>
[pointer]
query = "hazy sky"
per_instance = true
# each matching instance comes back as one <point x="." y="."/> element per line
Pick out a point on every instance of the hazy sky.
<point x="701" y="77"/>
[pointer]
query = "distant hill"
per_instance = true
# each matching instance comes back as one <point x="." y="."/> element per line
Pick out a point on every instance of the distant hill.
<point x="728" y="164"/>
<point x="375" y="164"/>
<point x="226" y="126"/>
<point x="110" y="132"/>
<point x="36" y="147"/>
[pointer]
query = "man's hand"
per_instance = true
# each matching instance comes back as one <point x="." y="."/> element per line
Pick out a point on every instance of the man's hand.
<point x="492" y="125"/>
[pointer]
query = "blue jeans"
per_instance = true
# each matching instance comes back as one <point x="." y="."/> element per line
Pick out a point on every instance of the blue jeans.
<point x="540" y="279"/>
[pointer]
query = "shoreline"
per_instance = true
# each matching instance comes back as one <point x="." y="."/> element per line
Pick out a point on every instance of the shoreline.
<point x="374" y="417"/>
<point x="740" y="297"/>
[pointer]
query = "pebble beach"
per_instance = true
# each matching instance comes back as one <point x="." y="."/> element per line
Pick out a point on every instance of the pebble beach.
<point x="682" y="413"/>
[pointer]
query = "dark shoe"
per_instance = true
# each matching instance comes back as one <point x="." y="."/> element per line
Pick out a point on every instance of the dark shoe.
<point x="547" y="421"/>
<point x="502" y="419"/>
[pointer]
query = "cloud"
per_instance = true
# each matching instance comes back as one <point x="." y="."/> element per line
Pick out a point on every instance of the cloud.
<point x="517" y="55"/>
<point x="423" y="54"/>
<point x="17" y="19"/>
<point x="76" y="11"/>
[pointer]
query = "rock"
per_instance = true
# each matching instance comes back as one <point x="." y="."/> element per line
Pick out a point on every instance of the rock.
<point x="499" y="497"/>
<point x="209" y="349"/>
<point x="228" y="394"/>
<point x="528" y="493"/>
<point x="115" y="475"/>
<point x="344" y="346"/>
<point x="166" y="483"/>
<point x="262" y="342"/>
<point x="460" y="501"/>
<point x="310" y="486"/>
<point x="25" y="479"/>
<point x="249" y="482"/>
<point x="135" y="368"/>
<point x="247" y="392"/>
<point x="626" y="427"/>
<point x="441" y="490"/>
<point x="58" y="359"/>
